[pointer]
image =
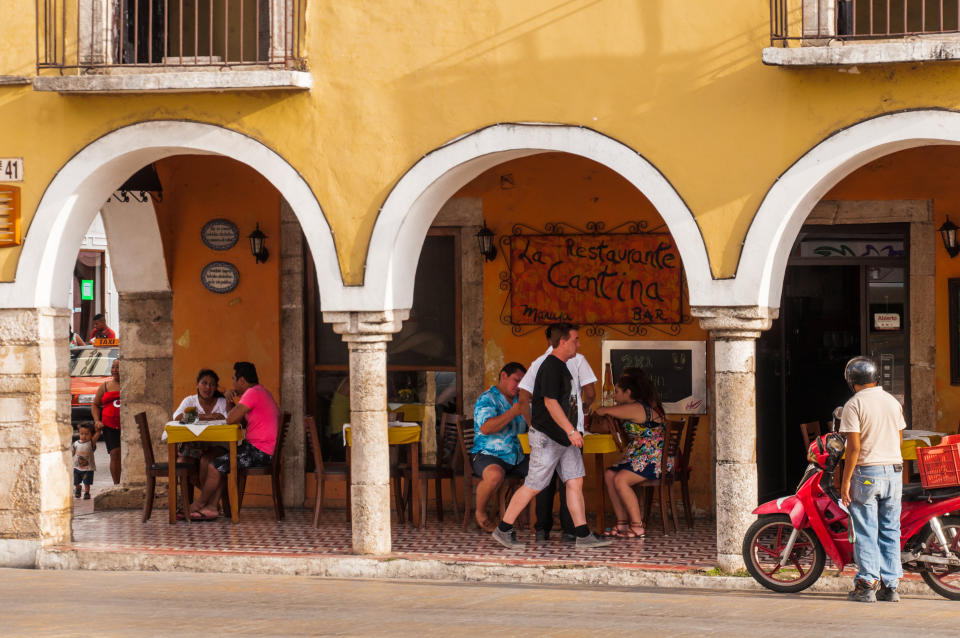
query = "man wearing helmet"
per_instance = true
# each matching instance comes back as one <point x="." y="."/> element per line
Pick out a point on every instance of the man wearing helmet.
<point x="872" y="484"/>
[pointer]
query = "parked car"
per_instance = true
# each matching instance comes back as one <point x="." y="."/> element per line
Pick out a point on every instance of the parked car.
<point x="89" y="367"/>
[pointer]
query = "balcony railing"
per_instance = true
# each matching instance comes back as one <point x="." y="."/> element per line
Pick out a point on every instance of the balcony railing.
<point x="818" y="21"/>
<point x="103" y="35"/>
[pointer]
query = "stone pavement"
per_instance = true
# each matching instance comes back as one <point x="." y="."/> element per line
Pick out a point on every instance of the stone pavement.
<point x="91" y="603"/>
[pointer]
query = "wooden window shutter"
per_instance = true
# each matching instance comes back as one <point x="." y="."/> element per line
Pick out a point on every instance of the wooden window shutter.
<point x="9" y="215"/>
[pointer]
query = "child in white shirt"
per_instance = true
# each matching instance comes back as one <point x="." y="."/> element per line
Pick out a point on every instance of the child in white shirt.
<point x="84" y="463"/>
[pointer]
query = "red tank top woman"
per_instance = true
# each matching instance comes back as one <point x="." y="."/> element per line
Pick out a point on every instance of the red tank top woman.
<point x="110" y="410"/>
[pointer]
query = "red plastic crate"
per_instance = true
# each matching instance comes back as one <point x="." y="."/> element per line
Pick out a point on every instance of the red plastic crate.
<point x="939" y="465"/>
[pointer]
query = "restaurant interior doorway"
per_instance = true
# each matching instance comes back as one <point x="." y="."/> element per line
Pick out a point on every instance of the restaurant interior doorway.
<point x="845" y="293"/>
<point x="424" y="377"/>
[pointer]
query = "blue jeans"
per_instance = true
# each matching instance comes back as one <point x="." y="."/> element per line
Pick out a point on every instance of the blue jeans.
<point x="875" y="492"/>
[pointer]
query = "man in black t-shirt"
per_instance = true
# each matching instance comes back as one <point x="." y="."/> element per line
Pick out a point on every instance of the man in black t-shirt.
<point x="554" y="445"/>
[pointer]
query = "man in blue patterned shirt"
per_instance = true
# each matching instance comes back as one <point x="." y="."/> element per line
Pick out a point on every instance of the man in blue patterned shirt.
<point x="496" y="452"/>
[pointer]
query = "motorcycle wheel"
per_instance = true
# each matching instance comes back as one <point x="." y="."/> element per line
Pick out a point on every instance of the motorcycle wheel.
<point x="943" y="579"/>
<point x="763" y="547"/>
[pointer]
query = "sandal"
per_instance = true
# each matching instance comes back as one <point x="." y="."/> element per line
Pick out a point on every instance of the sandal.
<point x="617" y="531"/>
<point x="634" y="525"/>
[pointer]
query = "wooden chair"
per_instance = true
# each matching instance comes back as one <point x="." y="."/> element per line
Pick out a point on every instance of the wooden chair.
<point x="684" y="468"/>
<point x="273" y="470"/>
<point x="465" y="434"/>
<point x="439" y="472"/>
<point x="663" y="487"/>
<point x="324" y="471"/>
<point x="809" y="431"/>
<point x="185" y="472"/>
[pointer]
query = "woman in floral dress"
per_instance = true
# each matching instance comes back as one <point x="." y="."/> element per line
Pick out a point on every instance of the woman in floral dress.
<point x="642" y="420"/>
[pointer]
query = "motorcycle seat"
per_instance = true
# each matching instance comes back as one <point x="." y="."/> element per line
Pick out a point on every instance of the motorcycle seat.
<point x="916" y="492"/>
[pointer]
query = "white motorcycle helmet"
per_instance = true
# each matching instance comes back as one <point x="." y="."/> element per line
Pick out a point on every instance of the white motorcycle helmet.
<point x="861" y="371"/>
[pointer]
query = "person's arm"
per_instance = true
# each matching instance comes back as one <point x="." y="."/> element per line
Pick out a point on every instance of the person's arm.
<point x="849" y="464"/>
<point x="587" y="394"/>
<point x="496" y="423"/>
<point x="556" y="412"/>
<point x="97" y="405"/>
<point x="237" y="413"/>
<point x="525" y="409"/>
<point x="632" y="411"/>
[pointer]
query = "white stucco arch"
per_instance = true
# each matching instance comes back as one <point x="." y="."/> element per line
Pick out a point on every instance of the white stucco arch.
<point x="87" y="180"/>
<point x="787" y="204"/>
<point x="413" y="203"/>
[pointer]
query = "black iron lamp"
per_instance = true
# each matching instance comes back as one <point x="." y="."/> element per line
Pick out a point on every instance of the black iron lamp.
<point x="260" y="252"/>
<point x="485" y="241"/>
<point x="141" y="185"/>
<point x="948" y="233"/>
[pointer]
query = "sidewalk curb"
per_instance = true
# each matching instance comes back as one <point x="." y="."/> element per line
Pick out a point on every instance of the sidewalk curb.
<point x="421" y="569"/>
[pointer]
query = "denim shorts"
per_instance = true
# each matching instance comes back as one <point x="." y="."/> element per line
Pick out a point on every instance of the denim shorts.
<point x="247" y="456"/>
<point x="546" y="455"/>
<point x="481" y="461"/>
<point x="85" y="476"/>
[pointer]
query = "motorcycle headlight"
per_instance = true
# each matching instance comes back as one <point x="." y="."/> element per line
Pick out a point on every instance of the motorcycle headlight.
<point x="85" y="398"/>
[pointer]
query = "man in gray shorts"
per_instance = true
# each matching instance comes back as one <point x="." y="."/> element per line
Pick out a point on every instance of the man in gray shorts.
<point x="554" y="445"/>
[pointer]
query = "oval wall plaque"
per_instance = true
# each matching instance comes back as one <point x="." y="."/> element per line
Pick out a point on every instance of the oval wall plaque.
<point x="219" y="234"/>
<point x="220" y="277"/>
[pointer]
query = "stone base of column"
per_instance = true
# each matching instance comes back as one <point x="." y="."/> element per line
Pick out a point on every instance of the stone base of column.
<point x="370" y="516"/>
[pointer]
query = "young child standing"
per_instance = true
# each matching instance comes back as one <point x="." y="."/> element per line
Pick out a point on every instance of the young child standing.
<point x="84" y="464"/>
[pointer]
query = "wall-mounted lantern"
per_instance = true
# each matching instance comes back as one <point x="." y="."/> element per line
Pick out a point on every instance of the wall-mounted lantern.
<point x="485" y="241"/>
<point x="260" y="252"/>
<point x="948" y="233"/>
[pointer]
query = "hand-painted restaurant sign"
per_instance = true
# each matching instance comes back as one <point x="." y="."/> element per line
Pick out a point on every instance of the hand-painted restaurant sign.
<point x="595" y="279"/>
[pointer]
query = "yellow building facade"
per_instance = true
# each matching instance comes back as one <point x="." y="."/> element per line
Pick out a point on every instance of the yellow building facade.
<point x="354" y="137"/>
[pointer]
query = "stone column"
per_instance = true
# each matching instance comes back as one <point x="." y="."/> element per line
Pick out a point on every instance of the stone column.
<point x="366" y="335"/>
<point x="35" y="469"/>
<point x="733" y="335"/>
<point x="292" y="355"/>
<point x="146" y="385"/>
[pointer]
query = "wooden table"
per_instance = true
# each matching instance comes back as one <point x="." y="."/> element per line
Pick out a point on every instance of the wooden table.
<point x="229" y="434"/>
<point x="598" y="445"/>
<point x="406" y="434"/>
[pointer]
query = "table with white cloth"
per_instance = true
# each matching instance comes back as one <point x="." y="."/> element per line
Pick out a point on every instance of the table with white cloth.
<point x="204" y="432"/>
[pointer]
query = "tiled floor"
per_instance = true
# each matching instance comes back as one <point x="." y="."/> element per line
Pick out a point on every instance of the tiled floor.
<point x="259" y="533"/>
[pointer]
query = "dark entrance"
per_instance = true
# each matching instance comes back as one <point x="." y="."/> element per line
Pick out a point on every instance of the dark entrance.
<point x="844" y="294"/>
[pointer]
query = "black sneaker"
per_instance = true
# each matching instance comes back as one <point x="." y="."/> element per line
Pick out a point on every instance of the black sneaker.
<point x="86" y="496"/>
<point x="542" y="535"/>
<point x="76" y="492"/>
<point x="863" y="592"/>
<point x="888" y="594"/>
<point x="508" y="539"/>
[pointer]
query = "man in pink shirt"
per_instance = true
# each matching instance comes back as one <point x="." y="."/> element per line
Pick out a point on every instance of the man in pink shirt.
<point x="251" y="403"/>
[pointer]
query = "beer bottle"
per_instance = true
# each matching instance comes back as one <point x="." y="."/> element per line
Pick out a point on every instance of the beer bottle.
<point x="607" y="398"/>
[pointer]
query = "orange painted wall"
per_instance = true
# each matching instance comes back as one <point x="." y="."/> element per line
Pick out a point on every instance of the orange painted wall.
<point x="558" y="187"/>
<point x="928" y="173"/>
<point x="213" y="330"/>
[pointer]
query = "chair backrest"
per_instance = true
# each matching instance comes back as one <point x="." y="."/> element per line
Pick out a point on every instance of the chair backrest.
<point x="672" y="433"/>
<point x="810" y="431"/>
<point x="465" y="442"/>
<point x="448" y="440"/>
<point x="277" y="460"/>
<point x="692" y="422"/>
<point x="313" y="439"/>
<point x="145" y="441"/>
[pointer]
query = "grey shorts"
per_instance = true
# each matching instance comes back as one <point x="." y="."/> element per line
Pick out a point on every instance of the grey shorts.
<point x="546" y="455"/>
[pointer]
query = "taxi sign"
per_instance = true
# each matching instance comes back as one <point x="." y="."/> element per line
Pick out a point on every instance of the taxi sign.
<point x="104" y="343"/>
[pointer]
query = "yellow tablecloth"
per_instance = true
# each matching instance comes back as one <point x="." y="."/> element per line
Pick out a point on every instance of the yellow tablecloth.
<point x="177" y="433"/>
<point x="592" y="444"/>
<point x="908" y="449"/>
<point x="397" y="435"/>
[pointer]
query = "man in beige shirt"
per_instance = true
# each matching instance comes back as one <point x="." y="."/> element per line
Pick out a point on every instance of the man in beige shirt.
<point x="872" y="485"/>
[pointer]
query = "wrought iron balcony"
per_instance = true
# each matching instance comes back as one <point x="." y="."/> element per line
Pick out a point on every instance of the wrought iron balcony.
<point x="895" y="30"/>
<point x="130" y="37"/>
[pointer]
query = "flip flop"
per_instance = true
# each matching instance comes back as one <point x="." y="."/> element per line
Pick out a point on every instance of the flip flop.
<point x="202" y="518"/>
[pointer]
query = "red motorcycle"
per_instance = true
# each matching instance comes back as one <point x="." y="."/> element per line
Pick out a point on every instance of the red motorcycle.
<point x="786" y="548"/>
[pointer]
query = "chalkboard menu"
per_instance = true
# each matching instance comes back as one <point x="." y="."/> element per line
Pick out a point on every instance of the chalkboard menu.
<point x="678" y="368"/>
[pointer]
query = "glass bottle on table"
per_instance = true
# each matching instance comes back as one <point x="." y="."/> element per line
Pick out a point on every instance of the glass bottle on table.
<point x="606" y="399"/>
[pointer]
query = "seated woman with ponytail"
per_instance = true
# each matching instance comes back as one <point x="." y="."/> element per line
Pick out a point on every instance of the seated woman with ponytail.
<point x="642" y="419"/>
